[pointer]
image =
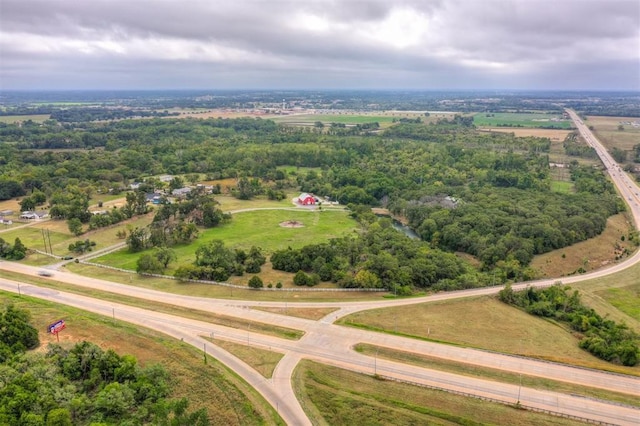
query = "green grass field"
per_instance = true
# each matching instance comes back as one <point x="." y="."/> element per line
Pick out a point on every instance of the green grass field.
<point x="521" y="119"/>
<point x="626" y="299"/>
<point x="332" y="396"/>
<point x="260" y="228"/>
<point x="485" y="323"/>
<point x="562" y="186"/>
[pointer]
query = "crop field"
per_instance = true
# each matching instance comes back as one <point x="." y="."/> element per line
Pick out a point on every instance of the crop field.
<point x="228" y="400"/>
<point x="260" y="228"/>
<point x="486" y="323"/>
<point x="37" y="118"/>
<point x="333" y="396"/>
<point x="509" y="119"/>
<point x="554" y="135"/>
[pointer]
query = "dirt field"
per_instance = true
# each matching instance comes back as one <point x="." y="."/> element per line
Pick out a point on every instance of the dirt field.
<point x="553" y="134"/>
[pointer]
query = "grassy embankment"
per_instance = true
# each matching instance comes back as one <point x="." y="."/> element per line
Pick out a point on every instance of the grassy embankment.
<point x="211" y="317"/>
<point x="470" y="370"/>
<point x="332" y="396"/>
<point x="485" y="323"/>
<point x="228" y="399"/>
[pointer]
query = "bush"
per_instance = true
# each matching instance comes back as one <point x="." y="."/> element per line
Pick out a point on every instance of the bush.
<point x="256" y="282"/>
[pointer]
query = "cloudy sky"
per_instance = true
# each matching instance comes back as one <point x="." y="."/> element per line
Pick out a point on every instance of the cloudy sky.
<point x="320" y="44"/>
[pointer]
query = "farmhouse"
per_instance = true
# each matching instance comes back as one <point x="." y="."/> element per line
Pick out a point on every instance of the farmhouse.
<point x="28" y="215"/>
<point x="307" y="199"/>
<point x="181" y="192"/>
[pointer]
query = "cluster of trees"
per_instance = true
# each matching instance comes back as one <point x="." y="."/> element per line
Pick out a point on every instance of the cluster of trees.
<point x="82" y="247"/>
<point x="17" y="335"/>
<point x="10" y="188"/>
<point x="83" y="114"/>
<point x="84" y="385"/>
<point x="379" y="257"/>
<point x="17" y="251"/>
<point x="606" y="339"/>
<point x="176" y="223"/>
<point x="155" y="262"/>
<point x="508" y="225"/>
<point x="573" y="147"/>
<point x="216" y="262"/>
<point x="37" y="198"/>
<point x="636" y="153"/>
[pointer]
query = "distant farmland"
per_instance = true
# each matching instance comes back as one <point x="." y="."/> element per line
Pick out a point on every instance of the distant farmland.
<point x="508" y="119"/>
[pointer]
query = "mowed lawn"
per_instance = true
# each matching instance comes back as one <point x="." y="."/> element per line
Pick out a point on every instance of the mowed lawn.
<point x="259" y="228"/>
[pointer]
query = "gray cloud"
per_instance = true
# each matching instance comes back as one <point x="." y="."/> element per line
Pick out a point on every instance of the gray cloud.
<point x="574" y="44"/>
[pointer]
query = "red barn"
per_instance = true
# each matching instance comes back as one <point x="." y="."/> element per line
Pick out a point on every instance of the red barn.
<point x="306" y="199"/>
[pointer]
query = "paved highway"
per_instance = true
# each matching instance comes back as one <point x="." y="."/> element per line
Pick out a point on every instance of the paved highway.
<point x="333" y="345"/>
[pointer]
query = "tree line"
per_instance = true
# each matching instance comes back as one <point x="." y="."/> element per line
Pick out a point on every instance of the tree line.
<point x="604" y="338"/>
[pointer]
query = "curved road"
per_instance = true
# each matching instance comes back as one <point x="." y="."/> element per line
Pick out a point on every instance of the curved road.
<point x="331" y="344"/>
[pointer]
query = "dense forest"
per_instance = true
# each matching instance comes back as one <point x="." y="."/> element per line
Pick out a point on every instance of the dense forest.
<point x="82" y="385"/>
<point x="485" y="194"/>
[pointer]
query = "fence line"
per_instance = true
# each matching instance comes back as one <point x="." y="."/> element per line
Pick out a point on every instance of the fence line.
<point x="499" y="401"/>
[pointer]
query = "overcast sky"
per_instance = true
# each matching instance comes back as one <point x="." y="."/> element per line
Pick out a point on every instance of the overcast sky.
<point x="320" y="44"/>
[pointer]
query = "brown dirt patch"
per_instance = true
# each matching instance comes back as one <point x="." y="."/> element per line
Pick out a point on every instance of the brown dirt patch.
<point x="291" y="224"/>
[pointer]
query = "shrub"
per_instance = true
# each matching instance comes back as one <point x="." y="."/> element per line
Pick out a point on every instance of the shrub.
<point x="256" y="282"/>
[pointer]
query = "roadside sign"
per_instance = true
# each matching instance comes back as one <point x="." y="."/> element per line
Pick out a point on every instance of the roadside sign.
<point x="56" y="328"/>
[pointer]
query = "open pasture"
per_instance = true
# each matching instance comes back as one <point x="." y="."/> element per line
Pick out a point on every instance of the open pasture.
<point x="486" y="323"/>
<point x="607" y="132"/>
<point x="555" y="135"/>
<point x="260" y="228"/>
<point x="512" y="119"/>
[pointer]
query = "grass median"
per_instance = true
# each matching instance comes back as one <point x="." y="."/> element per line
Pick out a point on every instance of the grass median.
<point x="333" y="396"/>
<point x="210" y="317"/>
